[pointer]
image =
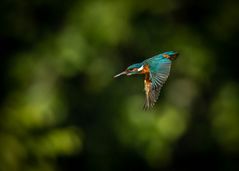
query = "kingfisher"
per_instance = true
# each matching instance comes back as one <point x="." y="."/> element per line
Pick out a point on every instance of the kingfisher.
<point x="156" y="70"/>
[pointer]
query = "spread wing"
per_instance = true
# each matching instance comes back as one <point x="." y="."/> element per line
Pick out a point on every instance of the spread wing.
<point x="153" y="83"/>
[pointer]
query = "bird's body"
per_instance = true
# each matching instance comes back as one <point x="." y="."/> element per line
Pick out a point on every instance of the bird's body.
<point x="156" y="70"/>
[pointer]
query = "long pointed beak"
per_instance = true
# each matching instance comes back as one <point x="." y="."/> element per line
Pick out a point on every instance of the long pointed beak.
<point x="122" y="73"/>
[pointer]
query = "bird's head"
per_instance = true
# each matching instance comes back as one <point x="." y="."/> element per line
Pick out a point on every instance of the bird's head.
<point x="132" y="70"/>
<point x="170" y="55"/>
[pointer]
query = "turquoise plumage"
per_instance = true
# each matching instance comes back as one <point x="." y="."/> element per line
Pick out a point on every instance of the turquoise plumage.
<point x="156" y="70"/>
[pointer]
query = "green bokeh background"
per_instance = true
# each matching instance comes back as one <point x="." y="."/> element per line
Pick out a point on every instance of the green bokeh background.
<point x="60" y="107"/>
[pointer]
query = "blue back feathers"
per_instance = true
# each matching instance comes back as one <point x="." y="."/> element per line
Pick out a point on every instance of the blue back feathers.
<point x="160" y="63"/>
<point x="138" y="65"/>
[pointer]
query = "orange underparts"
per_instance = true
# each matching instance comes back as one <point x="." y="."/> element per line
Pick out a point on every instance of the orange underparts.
<point x="147" y="82"/>
<point x="145" y="70"/>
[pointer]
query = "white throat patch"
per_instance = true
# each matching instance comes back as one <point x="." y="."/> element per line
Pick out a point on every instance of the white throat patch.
<point x="141" y="68"/>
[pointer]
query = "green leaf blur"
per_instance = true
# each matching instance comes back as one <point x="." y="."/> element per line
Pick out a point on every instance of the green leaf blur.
<point x="60" y="107"/>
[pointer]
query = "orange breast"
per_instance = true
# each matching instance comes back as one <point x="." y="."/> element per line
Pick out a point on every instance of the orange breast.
<point x="145" y="69"/>
<point x="147" y="84"/>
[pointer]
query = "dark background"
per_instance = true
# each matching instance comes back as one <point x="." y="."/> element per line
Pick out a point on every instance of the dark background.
<point x="60" y="107"/>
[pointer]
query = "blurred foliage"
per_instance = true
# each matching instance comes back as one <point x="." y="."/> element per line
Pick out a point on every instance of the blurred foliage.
<point x="60" y="107"/>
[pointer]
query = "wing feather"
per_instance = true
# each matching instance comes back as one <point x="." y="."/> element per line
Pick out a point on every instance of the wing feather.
<point x="153" y="83"/>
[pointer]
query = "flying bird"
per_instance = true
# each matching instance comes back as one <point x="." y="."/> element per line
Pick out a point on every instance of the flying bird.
<point x="156" y="70"/>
